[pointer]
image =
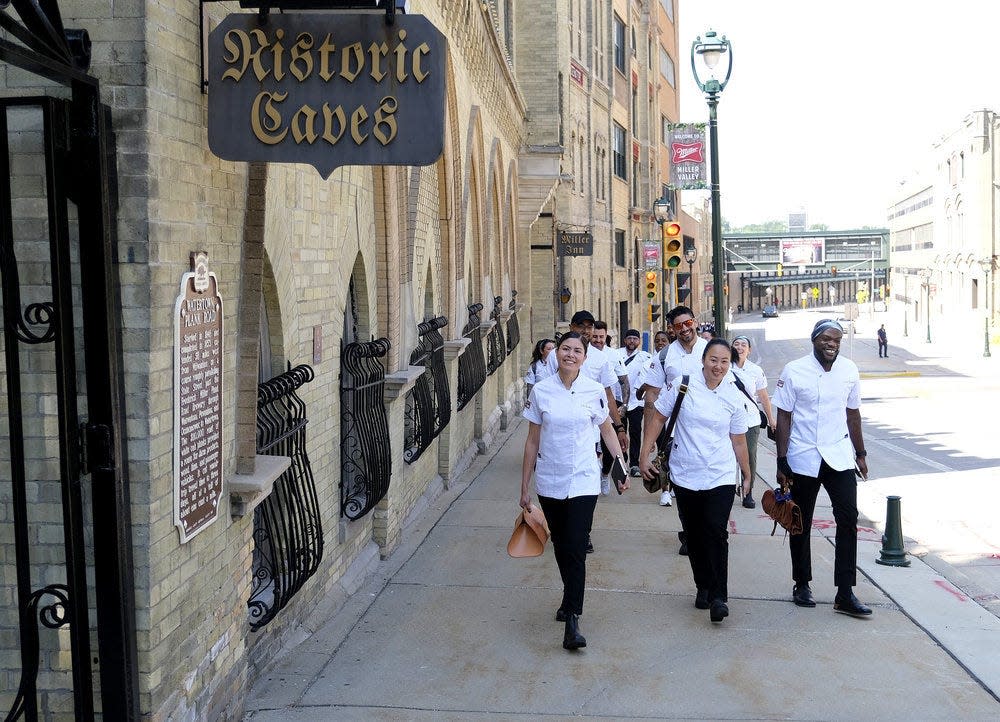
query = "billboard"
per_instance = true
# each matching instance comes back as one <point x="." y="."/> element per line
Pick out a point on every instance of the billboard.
<point x="803" y="251"/>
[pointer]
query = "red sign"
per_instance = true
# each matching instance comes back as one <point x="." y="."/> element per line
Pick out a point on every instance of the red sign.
<point x="687" y="152"/>
<point x="576" y="73"/>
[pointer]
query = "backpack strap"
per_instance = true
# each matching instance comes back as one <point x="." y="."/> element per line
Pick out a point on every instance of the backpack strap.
<point x="681" y="391"/>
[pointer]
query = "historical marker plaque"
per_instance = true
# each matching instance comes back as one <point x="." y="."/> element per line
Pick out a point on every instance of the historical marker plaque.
<point x="198" y="343"/>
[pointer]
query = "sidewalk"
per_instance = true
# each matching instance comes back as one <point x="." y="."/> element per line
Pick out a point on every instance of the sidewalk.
<point x="451" y="628"/>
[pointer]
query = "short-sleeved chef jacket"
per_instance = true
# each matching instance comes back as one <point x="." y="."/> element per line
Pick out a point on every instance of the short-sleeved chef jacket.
<point x="567" y="463"/>
<point x="537" y="370"/>
<point x="702" y="455"/>
<point x="635" y="370"/>
<point x="818" y="401"/>
<point x="596" y="366"/>
<point x="676" y="363"/>
<point x="753" y="379"/>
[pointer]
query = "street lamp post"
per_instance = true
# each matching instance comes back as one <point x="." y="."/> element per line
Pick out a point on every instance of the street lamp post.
<point x="691" y="255"/>
<point x="906" y="304"/>
<point x="711" y="50"/>
<point x="987" y="266"/>
<point x="926" y="275"/>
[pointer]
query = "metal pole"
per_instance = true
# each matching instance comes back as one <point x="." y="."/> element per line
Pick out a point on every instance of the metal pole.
<point x="928" y="309"/>
<point x="986" y="319"/>
<point x="906" y="305"/>
<point x="718" y="261"/>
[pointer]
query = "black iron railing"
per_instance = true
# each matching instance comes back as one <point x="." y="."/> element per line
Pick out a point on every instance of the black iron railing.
<point x="365" y="453"/>
<point x="428" y="405"/>
<point x="513" y="327"/>
<point x="287" y="530"/>
<point x="497" y="347"/>
<point x="472" y="363"/>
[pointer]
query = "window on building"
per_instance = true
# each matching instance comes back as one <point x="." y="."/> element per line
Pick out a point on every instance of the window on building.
<point x="635" y="182"/>
<point x="649" y="52"/>
<point x="619" y="30"/>
<point x="667" y="67"/>
<point x="665" y="130"/>
<point x="668" y="6"/>
<point x="619" y="248"/>
<point x="584" y="171"/>
<point x="618" y="153"/>
<point x="635" y="108"/>
<point x="633" y="41"/>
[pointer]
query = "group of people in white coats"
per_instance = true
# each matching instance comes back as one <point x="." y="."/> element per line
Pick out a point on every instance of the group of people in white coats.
<point x="576" y="431"/>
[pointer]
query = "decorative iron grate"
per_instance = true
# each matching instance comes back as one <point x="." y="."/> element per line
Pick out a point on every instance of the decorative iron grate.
<point x="513" y="327"/>
<point x="472" y="363"/>
<point x="287" y="531"/>
<point x="365" y="461"/>
<point x="494" y="339"/>
<point x="428" y="405"/>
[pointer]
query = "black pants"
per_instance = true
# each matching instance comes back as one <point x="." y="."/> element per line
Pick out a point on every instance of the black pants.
<point x="634" y="420"/>
<point x="883" y="348"/>
<point x="569" y="526"/>
<point x="704" y="516"/>
<point x="843" y="490"/>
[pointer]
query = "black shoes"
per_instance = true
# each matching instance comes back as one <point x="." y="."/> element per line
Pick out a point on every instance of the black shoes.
<point x="572" y="639"/>
<point x="560" y="615"/>
<point x="701" y="599"/>
<point x="802" y="596"/>
<point x="590" y="546"/>
<point x="748" y="502"/>
<point x="718" y="611"/>
<point x="851" y="606"/>
<point x="683" y="551"/>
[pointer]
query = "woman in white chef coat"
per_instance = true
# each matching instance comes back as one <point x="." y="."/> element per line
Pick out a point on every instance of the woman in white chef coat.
<point x="709" y="444"/>
<point x="755" y="382"/>
<point x="565" y="412"/>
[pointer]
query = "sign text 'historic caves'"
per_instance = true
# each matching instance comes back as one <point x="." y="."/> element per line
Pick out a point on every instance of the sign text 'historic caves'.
<point x="327" y="90"/>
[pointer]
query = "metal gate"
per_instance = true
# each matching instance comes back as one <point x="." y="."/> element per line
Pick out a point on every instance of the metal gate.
<point x="63" y="494"/>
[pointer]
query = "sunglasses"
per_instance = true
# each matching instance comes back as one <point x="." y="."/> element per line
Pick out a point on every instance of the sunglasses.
<point x="684" y="324"/>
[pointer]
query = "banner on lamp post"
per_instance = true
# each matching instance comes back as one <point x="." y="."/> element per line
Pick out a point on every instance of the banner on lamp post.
<point x="687" y="156"/>
<point x="651" y="254"/>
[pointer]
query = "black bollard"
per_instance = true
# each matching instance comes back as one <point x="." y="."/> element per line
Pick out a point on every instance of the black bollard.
<point x="893" y="554"/>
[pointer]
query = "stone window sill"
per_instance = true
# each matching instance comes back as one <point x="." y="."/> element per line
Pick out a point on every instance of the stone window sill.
<point x="246" y="491"/>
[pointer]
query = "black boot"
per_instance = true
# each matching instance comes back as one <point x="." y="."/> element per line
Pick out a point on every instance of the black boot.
<point x="573" y="639"/>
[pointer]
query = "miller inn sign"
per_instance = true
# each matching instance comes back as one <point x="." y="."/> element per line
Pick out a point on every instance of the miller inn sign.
<point x="326" y="89"/>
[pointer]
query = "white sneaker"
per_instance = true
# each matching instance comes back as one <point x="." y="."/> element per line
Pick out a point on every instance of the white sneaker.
<point x="672" y="494"/>
<point x="665" y="499"/>
<point x="605" y="485"/>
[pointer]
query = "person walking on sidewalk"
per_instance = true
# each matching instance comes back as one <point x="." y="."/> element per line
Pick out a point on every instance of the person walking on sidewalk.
<point x="635" y="361"/>
<point x="755" y="382"/>
<point x="564" y="412"/>
<point x="620" y="390"/>
<point x="819" y="442"/>
<point x="709" y="444"/>
<point x="883" y="343"/>
<point x="537" y="370"/>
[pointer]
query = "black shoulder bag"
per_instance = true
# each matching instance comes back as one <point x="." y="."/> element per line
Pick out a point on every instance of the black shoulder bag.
<point x="662" y="480"/>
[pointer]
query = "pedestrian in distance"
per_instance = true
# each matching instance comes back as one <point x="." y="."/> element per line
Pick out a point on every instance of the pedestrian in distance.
<point x="883" y="343"/>
<point x="564" y="411"/>
<point x="537" y="365"/>
<point x="819" y="442"/>
<point x="620" y="390"/>
<point x="754" y="382"/>
<point x="635" y="361"/>
<point x="709" y="445"/>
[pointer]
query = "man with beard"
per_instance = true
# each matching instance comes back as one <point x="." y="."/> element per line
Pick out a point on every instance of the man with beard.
<point x="635" y="361"/>
<point x="819" y="442"/>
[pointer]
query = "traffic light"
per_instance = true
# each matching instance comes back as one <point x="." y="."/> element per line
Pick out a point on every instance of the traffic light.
<point x="672" y="247"/>
<point x="650" y="284"/>
<point x="781" y="270"/>
<point x="654" y="312"/>
<point x="683" y="287"/>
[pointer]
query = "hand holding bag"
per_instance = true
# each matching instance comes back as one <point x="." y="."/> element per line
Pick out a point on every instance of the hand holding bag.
<point x="780" y="507"/>
<point x="660" y="481"/>
<point x="531" y="532"/>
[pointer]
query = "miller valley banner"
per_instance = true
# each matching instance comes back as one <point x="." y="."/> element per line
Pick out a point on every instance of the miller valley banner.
<point x="326" y="89"/>
<point x="687" y="156"/>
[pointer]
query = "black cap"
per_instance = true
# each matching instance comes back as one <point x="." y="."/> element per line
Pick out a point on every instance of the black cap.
<point x="582" y="317"/>
<point x="632" y="332"/>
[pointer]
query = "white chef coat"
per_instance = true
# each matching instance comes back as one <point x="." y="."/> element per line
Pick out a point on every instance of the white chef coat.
<point x="812" y="394"/>
<point x="567" y="463"/>
<point x="753" y="379"/>
<point x="596" y="366"/>
<point x="617" y="368"/>
<point x="537" y="370"/>
<point x="635" y="369"/>
<point x="702" y="455"/>
<point x="676" y="362"/>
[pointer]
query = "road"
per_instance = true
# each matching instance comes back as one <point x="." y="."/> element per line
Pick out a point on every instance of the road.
<point x="931" y="438"/>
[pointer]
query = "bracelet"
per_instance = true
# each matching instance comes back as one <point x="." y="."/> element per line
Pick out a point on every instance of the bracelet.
<point x="861" y="454"/>
<point x="618" y="427"/>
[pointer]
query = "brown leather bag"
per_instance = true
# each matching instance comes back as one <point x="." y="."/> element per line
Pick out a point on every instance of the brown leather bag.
<point x="531" y="532"/>
<point x="783" y="510"/>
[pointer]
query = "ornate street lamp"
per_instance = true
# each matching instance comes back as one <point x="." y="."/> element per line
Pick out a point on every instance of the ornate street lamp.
<point x="987" y="266"/>
<point x="565" y="295"/>
<point x="711" y="49"/>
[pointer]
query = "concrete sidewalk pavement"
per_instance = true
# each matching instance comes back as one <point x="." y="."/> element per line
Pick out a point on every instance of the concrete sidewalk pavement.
<point x="451" y="628"/>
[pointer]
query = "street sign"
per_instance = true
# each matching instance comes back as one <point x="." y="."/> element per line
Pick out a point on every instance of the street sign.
<point x="651" y="254"/>
<point x="575" y="244"/>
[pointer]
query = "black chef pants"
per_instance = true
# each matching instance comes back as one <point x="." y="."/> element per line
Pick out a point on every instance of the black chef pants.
<point x="569" y="527"/>
<point x="704" y="516"/>
<point x="842" y="488"/>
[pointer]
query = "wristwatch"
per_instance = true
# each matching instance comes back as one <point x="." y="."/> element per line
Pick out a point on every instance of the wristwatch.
<point x="860" y="454"/>
<point x="618" y="427"/>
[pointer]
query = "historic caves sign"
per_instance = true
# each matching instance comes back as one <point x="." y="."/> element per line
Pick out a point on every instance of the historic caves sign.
<point x="326" y="89"/>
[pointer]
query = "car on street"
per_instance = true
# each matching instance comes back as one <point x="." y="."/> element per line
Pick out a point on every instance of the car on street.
<point x="769" y="311"/>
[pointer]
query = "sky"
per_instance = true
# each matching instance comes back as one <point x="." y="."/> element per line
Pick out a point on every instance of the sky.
<point x="831" y="104"/>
